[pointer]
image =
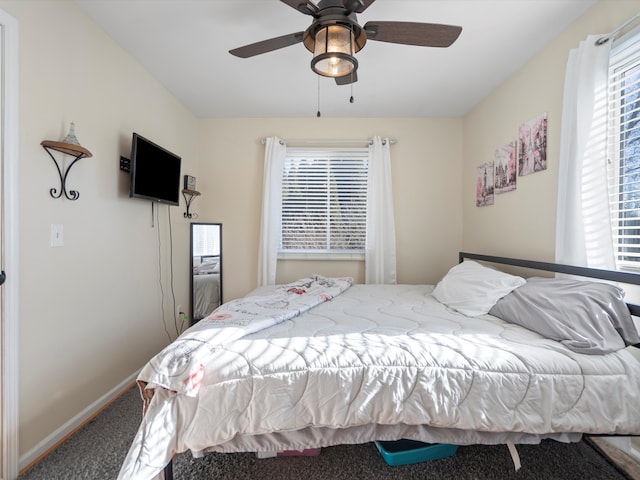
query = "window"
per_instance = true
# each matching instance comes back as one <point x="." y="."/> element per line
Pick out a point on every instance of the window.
<point x="324" y="201"/>
<point x="206" y="240"/>
<point x="624" y="150"/>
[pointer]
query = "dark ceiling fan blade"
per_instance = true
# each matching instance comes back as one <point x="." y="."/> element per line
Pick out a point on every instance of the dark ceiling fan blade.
<point x="412" y="33"/>
<point x="303" y="6"/>
<point x="352" y="5"/>
<point x="265" y="46"/>
<point x="347" y="79"/>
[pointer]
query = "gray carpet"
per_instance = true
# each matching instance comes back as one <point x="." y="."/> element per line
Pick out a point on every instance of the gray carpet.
<point x="98" y="449"/>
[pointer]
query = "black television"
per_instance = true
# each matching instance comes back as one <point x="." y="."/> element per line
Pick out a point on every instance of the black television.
<point x="155" y="172"/>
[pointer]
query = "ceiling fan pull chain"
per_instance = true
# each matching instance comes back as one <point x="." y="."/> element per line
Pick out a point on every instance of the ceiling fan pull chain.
<point x="318" y="113"/>
<point x="351" y="99"/>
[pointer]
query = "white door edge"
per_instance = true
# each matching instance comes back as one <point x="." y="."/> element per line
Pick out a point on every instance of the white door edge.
<point x="10" y="203"/>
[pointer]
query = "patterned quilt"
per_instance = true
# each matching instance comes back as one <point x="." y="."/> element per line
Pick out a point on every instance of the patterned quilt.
<point x="181" y="365"/>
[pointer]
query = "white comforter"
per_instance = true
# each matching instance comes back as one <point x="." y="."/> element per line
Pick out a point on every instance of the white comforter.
<point x="388" y="362"/>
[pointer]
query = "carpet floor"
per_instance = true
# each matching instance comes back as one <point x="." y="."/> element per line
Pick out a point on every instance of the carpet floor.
<point x="97" y="450"/>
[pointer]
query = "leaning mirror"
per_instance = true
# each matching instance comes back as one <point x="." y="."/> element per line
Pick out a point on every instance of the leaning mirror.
<point x="206" y="269"/>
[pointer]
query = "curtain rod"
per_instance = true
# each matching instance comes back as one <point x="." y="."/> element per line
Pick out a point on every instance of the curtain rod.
<point x="323" y="142"/>
<point x="613" y="34"/>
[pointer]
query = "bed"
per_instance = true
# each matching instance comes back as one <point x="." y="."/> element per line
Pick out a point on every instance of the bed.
<point x="206" y="286"/>
<point x="322" y="362"/>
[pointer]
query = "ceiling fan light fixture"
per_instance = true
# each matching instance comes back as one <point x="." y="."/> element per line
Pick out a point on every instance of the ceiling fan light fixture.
<point x="333" y="51"/>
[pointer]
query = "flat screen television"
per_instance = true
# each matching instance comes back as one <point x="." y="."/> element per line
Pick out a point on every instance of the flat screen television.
<point x="155" y="172"/>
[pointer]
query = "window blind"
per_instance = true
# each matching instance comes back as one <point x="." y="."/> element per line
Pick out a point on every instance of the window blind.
<point x="324" y="201"/>
<point x="623" y="149"/>
<point x="206" y="241"/>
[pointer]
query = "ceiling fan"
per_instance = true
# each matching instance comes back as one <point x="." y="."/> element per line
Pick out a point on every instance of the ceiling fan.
<point x="335" y="36"/>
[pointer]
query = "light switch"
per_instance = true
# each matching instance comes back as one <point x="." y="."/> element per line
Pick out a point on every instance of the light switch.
<point x="56" y="235"/>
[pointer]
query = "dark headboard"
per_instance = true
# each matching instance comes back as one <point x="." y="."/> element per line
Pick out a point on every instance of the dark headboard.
<point x="610" y="275"/>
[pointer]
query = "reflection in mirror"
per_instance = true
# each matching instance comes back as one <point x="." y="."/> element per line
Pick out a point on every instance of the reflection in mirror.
<point x="206" y="269"/>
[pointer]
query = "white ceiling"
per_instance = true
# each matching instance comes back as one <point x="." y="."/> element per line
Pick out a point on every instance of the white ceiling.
<point x="185" y="44"/>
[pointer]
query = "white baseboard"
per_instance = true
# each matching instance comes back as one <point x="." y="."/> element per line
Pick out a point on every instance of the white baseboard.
<point x="635" y="453"/>
<point x="625" y="444"/>
<point x="621" y="443"/>
<point x="77" y="421"/>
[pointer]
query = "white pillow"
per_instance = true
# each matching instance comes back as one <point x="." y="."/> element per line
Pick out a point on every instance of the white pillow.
<point x="472" y="289"/>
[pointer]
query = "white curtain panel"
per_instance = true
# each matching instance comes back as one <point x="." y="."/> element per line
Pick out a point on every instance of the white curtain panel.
<point x="274" y="155"/>
<point x="583" y="228"/>
<point x="380" y="248"/>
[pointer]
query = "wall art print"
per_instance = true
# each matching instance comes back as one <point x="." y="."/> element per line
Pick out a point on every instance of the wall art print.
<point x="484" y="185"/>
<point x="532" y="140"/>
<point x="506" y="167"/>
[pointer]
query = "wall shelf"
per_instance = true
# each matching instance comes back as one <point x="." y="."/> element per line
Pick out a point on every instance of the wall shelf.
<point x="75" y="151"/>
<point x="189" y="195"/>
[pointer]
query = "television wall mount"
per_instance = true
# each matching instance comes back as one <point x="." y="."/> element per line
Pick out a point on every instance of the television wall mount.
<point x="125" y="164"/>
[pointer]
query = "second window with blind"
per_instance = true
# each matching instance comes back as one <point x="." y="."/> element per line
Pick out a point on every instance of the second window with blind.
<point x="623" y="157"/>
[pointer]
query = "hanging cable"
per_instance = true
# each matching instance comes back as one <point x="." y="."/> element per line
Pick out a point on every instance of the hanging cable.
<point x="164" y="323"/>
<point x="176" y="314"/>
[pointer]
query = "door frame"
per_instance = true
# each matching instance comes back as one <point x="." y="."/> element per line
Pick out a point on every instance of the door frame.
<point x="9" y="202"/>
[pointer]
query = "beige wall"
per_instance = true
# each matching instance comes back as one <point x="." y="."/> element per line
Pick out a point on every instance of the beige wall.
<point x="522" y="223"/>
<point x="426" y="169"/>
<point x="90" y="310"/>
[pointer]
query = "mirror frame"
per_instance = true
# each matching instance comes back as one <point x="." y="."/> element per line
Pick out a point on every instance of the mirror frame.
<point x="192" y="320"/>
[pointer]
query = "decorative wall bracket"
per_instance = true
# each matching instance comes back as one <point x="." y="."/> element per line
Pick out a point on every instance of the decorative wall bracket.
<point x="75" y="151"/>
<point x="189" y="195"/>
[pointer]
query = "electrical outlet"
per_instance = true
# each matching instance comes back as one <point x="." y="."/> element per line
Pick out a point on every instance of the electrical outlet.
<point x="179" y="311"/>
